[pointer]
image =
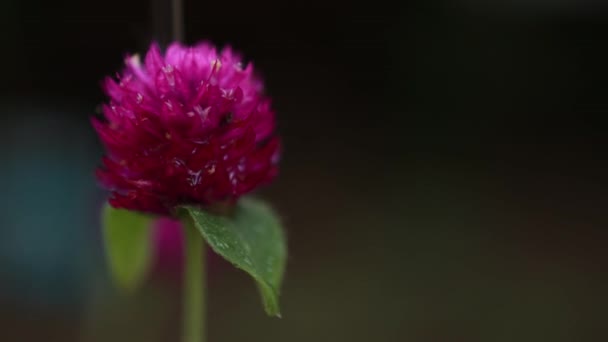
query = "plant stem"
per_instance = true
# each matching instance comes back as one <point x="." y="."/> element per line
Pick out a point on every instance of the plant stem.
<point x="177" y="11"/>
<point x="193" y="318"/>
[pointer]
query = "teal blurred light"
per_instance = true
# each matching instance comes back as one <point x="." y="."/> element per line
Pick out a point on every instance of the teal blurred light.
<point x="46" y="219"/>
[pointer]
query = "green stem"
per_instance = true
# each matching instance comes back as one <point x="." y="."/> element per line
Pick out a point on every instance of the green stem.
<point x="193" y="318"/>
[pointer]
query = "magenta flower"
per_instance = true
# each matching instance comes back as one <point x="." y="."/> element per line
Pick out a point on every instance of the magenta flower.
<point x="192" y="126"/>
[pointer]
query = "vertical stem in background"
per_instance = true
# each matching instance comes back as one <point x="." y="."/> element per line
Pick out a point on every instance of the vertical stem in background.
<point x="177" y="11"/>
<point x="193" y="317"/>
<point x="167" y="21"/>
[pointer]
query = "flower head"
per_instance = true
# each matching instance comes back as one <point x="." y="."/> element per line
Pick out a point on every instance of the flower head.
<point x="190" y="126"/>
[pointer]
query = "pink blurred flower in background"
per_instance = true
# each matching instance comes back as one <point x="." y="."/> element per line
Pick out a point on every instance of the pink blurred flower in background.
<point x="168" y="241"/>
<point x="168" y="244"/>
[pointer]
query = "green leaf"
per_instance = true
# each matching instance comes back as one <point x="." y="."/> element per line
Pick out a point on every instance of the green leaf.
<point x="128" y="246"/>
<point x="252" y="239"/>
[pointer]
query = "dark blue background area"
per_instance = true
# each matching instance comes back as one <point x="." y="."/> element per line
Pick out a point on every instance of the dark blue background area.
<point x="48" y="205"/>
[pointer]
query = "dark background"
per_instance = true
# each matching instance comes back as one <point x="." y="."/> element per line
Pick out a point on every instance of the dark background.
<point x="444" y="174"/>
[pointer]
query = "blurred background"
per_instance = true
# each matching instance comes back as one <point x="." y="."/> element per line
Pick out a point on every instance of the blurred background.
<point x="444" y="175"/>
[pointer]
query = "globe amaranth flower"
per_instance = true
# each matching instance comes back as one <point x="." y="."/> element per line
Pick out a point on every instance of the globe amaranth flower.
<point x="190" y="126"/>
